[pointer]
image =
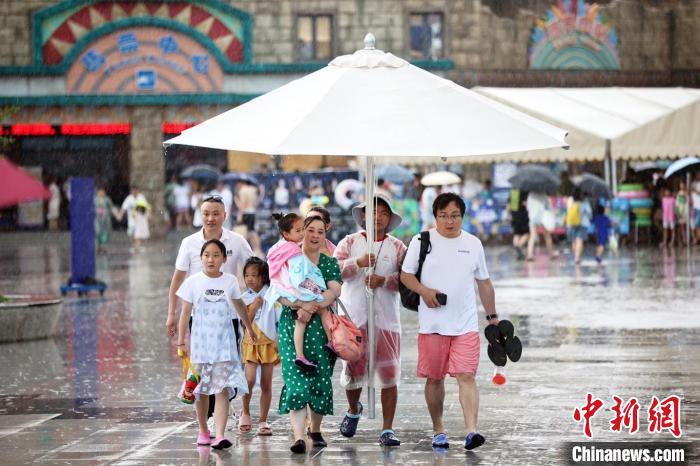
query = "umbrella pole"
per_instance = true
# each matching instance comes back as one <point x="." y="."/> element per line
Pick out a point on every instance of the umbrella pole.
<point x="371" y="330"/>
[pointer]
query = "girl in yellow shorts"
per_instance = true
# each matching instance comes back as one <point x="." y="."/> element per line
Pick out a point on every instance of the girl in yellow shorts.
<point x="263" y="352"/>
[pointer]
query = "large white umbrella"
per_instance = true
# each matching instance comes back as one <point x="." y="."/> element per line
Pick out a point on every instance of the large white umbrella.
<point x="372" y="103"/>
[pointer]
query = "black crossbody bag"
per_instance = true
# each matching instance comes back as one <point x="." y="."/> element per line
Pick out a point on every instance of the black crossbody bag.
<point x="410" y="299"/>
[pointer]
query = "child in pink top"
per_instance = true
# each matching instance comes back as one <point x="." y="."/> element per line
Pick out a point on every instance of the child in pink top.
<point x="668" y="216"/>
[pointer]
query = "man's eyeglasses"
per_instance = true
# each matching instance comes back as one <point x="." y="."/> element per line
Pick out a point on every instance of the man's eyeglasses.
<point x="214" y="198"/>
<point x="452" y="218"/>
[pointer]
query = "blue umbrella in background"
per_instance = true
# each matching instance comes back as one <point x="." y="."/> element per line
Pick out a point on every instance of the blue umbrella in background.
<point x="682" y="166"/>
<point x="234" y="177"/>
<point x="679" y="168"/>
<point x="395" y="174"/>
<point x="202" y="172"/>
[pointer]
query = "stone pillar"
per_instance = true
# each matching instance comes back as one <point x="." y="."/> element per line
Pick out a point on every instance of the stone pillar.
<point x="147" y="162"/>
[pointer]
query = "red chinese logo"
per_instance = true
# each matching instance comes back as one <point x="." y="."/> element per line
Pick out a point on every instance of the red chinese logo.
<point x="665" y="415"/>
<point x="585" y="413"/>
<point x="661" y="415"/>
<point x="626" y="416"/>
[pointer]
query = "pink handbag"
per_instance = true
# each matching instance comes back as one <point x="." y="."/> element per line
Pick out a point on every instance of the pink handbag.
<point x="346" y="338"/>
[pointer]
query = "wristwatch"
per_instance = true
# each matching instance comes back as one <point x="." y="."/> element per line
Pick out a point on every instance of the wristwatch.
<point x="491" y="316"/>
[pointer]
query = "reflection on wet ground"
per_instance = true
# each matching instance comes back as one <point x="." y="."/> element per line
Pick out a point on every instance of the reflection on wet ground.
<point x="104" y="392"/>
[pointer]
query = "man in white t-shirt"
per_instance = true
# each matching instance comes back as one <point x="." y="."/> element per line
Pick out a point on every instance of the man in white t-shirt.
<point x="448" y="339"/>
<point x="188" y="260"/>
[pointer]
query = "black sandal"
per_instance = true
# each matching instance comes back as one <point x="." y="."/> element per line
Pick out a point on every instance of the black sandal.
<point x="299" y="446"/>
<point x="512" y="344"/>
<point x="495" y="350"/>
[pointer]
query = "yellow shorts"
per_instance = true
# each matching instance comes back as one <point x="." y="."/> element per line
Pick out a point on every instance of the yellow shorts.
<point x="263" y="352"/>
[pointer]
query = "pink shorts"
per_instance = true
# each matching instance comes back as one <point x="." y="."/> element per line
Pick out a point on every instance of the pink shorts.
<point x="439" y="355"/>
<point x="386" y="359"/>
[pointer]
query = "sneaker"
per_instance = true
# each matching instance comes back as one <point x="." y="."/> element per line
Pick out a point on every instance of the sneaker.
<point x="441" y="441"/>
<point x="388" y="439"/>
<point x="474" y="440"/>
<point x="203" y="439"/>
<point x="305" y="364"/>
<point x="349" y="425"/>
<point x="220" y="443"/>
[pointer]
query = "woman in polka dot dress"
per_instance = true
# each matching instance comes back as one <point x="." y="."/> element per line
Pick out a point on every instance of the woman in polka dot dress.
<point x="313" y="389"/>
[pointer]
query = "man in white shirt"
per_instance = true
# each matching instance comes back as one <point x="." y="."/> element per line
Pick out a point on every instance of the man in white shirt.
<point x="448" y="340"/>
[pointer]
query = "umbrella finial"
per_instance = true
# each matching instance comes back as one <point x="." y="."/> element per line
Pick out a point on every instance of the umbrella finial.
<point x="370" y="41"/>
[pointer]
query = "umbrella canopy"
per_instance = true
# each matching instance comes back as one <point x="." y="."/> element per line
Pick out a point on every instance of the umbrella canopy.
<point x="395" y="174"/>
<point x="18" y="186"/>
<point x="201" y="172"/>
<point x="592" y="186"/>
<point x="682" y="166"/>
<point x="373" y="103"/>
<point x="535" y="180"/>
<point x="233" y="177"/>
<point x="440" y="179"/>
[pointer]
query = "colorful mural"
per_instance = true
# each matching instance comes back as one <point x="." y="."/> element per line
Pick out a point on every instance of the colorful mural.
<point x="70" y="24"/>
<point x="574" y="35"/>
<point x="146" y="59"/>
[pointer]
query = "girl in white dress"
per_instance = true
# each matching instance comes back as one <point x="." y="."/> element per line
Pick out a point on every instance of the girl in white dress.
<point x="209" y="297"/>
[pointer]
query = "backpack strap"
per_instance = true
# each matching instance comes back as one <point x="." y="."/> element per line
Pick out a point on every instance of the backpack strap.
<point x="425" y="248"/>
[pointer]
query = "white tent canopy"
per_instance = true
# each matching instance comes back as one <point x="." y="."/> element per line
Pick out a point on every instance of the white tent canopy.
<point x="637" y="123"/>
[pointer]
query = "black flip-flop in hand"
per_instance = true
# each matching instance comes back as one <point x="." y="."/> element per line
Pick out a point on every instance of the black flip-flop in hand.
<point x="512" y="344"/>
<point x="503" y="345"/>
<point x="495" y="350"/>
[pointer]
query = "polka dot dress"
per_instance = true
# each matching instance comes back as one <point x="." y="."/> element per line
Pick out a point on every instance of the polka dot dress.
<point x="314" y="388"/>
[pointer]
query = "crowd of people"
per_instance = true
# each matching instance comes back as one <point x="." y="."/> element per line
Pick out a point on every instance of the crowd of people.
<point x="238" y="336"/>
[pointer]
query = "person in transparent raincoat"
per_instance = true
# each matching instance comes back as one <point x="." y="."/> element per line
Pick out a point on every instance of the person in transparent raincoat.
<point x="210" y="297"/>
<point x="353" y="259"/>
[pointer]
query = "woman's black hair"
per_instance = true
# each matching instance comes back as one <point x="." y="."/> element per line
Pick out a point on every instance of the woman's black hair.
<point x="262" y="268"/>
<point x="218" y="243"/>
<point x="308" y="220"/>
<point x="325" y="215"/>
<point x="444" y="199"/>
<point x="285" y="222"/>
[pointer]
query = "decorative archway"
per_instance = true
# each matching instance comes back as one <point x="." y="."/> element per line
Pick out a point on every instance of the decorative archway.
<point x="573" y="35"/>
<point x="62" y="31"/>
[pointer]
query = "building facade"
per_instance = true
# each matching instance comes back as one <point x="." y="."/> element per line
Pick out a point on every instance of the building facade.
<point x="93" y="87"/>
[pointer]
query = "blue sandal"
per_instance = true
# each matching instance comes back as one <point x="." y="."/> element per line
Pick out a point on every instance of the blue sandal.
<point x="349" y="425"/>
<point x="440" y="440"/>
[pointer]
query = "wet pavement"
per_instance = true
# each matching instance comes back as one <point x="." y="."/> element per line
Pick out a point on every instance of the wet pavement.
<point x="105" y="390"/>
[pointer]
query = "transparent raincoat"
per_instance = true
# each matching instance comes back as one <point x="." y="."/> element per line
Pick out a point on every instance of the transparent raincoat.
<point x="389" y="253"/>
